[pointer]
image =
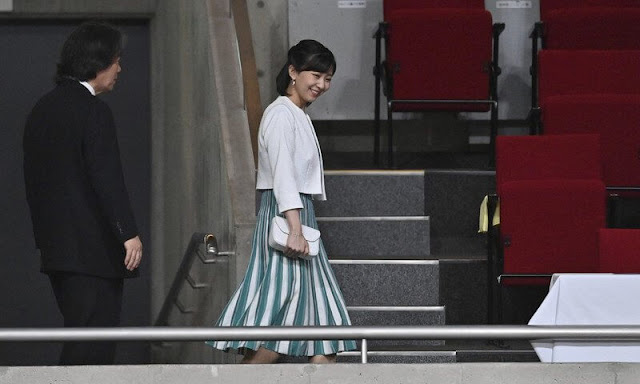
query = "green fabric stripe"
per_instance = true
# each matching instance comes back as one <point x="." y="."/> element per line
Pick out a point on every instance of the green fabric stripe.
<point x="264" y="300"/>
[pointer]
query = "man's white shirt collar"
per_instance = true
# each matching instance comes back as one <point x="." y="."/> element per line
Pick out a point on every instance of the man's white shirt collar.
<point x="89" y="87"/>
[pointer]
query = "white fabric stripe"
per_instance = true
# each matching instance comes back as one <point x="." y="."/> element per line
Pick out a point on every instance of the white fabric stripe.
<point x="232" y="304"/>
<point x="295" y="294"/>
<point x="336" y="297"/>
<point x="265" y="318"/>
<point x="321" y="304"/>
<point x="279" y="291"/>
<point x="286" y="289"/>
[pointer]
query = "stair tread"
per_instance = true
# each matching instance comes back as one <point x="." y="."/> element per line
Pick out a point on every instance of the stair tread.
<point x="388" y="282"/>
<point x="397" y="237"/>
<point x="479" y="346"/>
<point x="372" y="193"/>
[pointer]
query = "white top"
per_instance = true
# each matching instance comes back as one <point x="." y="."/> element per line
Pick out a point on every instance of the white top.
<point x="289" y="157"/>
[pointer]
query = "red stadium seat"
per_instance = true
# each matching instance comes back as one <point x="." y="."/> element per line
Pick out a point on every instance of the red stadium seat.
<point x="568" y="157"/>
<point x="552" y="204"/>
<point x="583" y="25"/>
<point x="439" y="57"/>
<point x="578" y="72"/>
<point x="619" y="250"/>
<point x="422" y="67"/>
<point x="565" y="72"/>
<point x="615" y="117"/>
<point x="592" y="28"/>
<point x="550" y="226"/>
<point x="548" y="6"/>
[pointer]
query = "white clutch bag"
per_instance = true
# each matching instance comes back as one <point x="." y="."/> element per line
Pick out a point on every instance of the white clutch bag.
<point x="280" y="231"/>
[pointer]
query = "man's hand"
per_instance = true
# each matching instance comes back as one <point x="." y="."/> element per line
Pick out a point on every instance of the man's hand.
<point x="134" y="253"/>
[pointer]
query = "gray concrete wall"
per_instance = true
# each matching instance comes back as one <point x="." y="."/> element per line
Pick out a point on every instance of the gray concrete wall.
<point x="269" y="27"/>
<point x="81" y="8"/>
<point x="348" y="32"/>
<point x="455" y="373"/>
<point x="203" y="173"/>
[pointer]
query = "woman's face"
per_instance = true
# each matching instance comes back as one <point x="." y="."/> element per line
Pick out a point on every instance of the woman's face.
<point x="307" y="86"/>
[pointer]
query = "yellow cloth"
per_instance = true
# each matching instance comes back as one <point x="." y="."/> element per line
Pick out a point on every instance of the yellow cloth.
<point x="483" y="225"/>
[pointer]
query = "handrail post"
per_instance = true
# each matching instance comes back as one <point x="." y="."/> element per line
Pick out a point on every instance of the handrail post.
<point x="377" y="73"/>
<point x="364" y="351"/>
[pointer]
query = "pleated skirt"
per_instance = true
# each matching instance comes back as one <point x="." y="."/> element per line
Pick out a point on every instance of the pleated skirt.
<point x="281" y="291"/>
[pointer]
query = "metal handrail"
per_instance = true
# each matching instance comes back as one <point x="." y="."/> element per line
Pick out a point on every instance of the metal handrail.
<point x="211" y="255"/>
<point x="364" y="333"/>
<point x="448" y="332"/>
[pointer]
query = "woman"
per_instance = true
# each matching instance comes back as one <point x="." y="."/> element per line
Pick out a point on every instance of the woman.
<point x="281" y="288"/>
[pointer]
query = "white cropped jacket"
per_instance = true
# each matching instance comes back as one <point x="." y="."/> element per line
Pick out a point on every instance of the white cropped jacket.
<point x="289" y="156"/>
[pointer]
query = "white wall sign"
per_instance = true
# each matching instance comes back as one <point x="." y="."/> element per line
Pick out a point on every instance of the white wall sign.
<point x="6" y="5"/>
<point x="513" y="4"/>
<point x="352" y="4"/>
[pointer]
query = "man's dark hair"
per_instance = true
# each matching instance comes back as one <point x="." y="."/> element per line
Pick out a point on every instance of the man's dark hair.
<point x="91" y="48"/>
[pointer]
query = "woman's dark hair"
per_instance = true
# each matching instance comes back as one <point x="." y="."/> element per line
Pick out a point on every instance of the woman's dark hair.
<point x="307" y="55"/>
<point x="91" y="48"/>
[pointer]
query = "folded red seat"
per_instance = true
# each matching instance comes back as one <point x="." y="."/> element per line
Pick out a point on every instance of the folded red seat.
<point x="619" y="250"/>
<point x="572" y="72"/>
<point x="592" y="28"/>
<point x="615" y="117"/>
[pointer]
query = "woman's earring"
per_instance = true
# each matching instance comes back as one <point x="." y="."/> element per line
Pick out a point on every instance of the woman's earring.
<point x="293" y="82"/>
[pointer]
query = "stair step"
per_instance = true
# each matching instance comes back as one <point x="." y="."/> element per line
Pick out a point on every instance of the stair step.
<point x="463" y="290"/>
<point x="376" y="236"/>
<point x="372" y="193"/>
<point x="397" y="316"/>
<point x="399" y="357"/>
<point x="384" y="357"/>
<point x="388" y="282"/>
<point x="498" y="356"/>
<point x="457" y="351"/>
<point x="495" y="351"/>
<point x="468" y="246"/>
<point x="453" y="199"/>
<point x="429" y="357"/>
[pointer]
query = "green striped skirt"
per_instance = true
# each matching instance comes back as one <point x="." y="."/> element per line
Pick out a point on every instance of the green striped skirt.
<point x="280" y="291"/>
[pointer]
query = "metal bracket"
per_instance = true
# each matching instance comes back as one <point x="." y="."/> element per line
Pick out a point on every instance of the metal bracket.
<point x="182" y="308"/>
<point x="194" y="284"/>
<point x="212" y="252"/>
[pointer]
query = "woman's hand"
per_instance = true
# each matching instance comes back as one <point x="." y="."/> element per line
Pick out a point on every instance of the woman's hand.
<point x="296" y="243"/>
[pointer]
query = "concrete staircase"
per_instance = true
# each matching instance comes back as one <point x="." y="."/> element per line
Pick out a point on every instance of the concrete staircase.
<point x="377" y="237"/>
<point x="404" y="247"/>
<point x="374" y="215"/>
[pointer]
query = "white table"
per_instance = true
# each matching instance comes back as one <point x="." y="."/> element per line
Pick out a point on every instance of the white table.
<point x="589" y="299"/>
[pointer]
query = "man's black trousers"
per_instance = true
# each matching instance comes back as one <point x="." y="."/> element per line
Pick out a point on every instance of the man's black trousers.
<point x="87" y="301"/>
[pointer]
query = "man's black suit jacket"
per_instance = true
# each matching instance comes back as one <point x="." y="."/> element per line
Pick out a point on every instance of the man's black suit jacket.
<point x="79" y="204"/>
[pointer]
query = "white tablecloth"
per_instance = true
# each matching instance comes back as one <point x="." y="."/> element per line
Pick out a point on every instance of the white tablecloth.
<point x="589" y="299"/>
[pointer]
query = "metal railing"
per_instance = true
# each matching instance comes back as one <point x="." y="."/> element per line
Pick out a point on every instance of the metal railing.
<point x="364" y="333"/>
<point x="210" y="255"/>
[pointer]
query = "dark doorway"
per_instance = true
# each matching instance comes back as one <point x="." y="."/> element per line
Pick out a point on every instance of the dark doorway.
<point x="29" y="50"/>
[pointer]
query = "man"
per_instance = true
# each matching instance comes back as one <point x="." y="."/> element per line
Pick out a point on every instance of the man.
<point x="82" y="219"/>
